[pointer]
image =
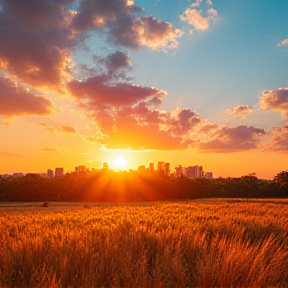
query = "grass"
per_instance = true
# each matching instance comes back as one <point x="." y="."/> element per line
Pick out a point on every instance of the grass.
<point x="219" y="243"/>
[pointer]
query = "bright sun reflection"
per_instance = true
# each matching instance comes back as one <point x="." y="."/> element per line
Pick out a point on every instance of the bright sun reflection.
<point x="120" y="162"/>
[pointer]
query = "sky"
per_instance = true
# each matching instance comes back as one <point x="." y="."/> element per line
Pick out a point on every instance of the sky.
<point x="83" y="82"/>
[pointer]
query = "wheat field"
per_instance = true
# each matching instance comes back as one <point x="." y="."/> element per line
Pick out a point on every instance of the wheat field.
<point x="220" y="243"/>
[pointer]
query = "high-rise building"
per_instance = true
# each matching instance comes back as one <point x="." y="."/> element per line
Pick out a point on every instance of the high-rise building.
<point x="141" y="169"/>
<point x="167" y="169"/>
<point x="50" y="173"/>
<point x="200" y="172"/>
<point x="151" y="167"/>
<point x="59" y="172"/>
<point x="179" y="171"/>
<point x="161" y="166"/>
<point x="208" y="175"/>
<point x="105" y="166"/>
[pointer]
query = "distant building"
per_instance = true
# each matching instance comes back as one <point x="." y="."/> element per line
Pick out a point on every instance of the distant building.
<point x="50" y="173"/>
<point x="18" y="174"/>
<point x="141" y="169"/>
<point x="208" y="175"/>
<point x="167" y="169"/>
<point x="151" y="167"/>
<point x="59" y="172"/>
<point x="161" y="166"/>
<point x="105" y="166"/>
<point x="178" y="171"/>
<point x="200" y="172"/>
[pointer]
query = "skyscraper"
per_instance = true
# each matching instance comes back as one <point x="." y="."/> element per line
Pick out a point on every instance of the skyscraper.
<point x="50" y="173"/>
<point x="59" y="172"/>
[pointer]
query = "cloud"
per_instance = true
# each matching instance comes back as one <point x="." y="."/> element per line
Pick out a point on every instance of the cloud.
<point x="235" y="139"/>
<point x="51" y="149"/>
<point x="275" y="100"/>
<point x="241" y="111"/>
<point x="119" y="19"/>
<point x="11" y="155"/>
<point x="36" y="41"/>
<point x="98" y="92"/>
<point x="16" y="100"/>
<point x="283" y="43"/>
<point x="195" y="17"/>
<point x="116" y="61"/>
<point x="279" y="141"/>
<point x="63" y="129"/>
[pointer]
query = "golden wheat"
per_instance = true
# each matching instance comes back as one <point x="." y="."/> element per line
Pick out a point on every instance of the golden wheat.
<point x="188" y="244"/>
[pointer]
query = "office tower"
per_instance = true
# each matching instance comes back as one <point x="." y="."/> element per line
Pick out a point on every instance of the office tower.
<point x="50" y="173"/>
<point x="167" y="169"/>
<point x="105" y="166"/>
<point x="200" y="172"/>
<point x="141" y="169"/>
<point x="161" y="166"/>
<point x="151" y="167"/>
<point x="209" y="175"/>
<point x="179" y="171"/>
<point x="59" y="172"/>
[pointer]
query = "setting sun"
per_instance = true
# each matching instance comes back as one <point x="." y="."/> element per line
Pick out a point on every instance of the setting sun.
<point x="120" y="162"/>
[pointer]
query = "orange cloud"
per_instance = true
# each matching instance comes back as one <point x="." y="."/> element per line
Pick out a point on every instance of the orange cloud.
<point x="275" y="100"/>
<point x="241" y="111"/>
<point x="17" y="100"/>
<point x="51" y="149"/>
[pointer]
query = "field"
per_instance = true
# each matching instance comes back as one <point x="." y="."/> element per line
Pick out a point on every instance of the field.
<point x="208" y="243"/>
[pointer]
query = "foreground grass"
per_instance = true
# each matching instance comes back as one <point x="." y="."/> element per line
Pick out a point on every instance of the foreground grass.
<point x="190" y="244"/>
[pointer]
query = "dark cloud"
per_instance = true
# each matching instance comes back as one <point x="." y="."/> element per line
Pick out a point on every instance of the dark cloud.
<point x="120" y="20"/>
<point x="98" y="92"/>
<point x="16" y="100"/>
<point x="275" y="100"/>
<point x="233" y="139"/>
<point x="241" y="111"/>
<point x="36" y="41"/>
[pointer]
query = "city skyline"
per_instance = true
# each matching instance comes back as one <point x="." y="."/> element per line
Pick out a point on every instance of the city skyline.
<point x="186" y="81"/>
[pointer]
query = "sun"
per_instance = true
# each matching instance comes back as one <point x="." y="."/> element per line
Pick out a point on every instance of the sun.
<point x="120" y="162"/>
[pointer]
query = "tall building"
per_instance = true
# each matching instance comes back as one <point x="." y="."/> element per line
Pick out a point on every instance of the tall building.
<point x="50" y="173"/>
<point x="208" y="175"/>
<point x="105" y="166"/>
<point x="161" y="166"/>
<point x="141" y="169"/>
<point x="179" y="171"/>
<point x="59" y="172"/>
<point x="200" y="172"/>
<point x="151" y="167"/>
<point x="167" y="169"/>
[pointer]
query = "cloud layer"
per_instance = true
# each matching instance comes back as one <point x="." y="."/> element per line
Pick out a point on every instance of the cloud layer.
<point x="16" y="100"/>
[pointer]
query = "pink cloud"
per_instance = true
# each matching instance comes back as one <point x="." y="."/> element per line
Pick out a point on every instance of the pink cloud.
<point x="195" y="17"/>
<point x="98" y="92"/>
<point x="17" y="100"/>
<point x="279" y="141"/>
<point x="275" y="100"/>
<point x="241" y="111"/>
<point x="233" y="139"/>
<point x="283" y="43"/>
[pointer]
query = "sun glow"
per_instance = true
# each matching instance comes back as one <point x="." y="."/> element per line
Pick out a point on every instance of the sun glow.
<point x="120" y="162"/>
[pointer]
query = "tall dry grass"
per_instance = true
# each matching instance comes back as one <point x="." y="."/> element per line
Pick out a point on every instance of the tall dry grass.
<point x="217" y="244"/>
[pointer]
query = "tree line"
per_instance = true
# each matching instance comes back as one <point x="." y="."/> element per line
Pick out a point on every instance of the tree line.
<point x="111" y="186"/>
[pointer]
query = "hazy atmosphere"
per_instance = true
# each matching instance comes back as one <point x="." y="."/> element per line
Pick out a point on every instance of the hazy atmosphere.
<point x="190" y="83"/>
